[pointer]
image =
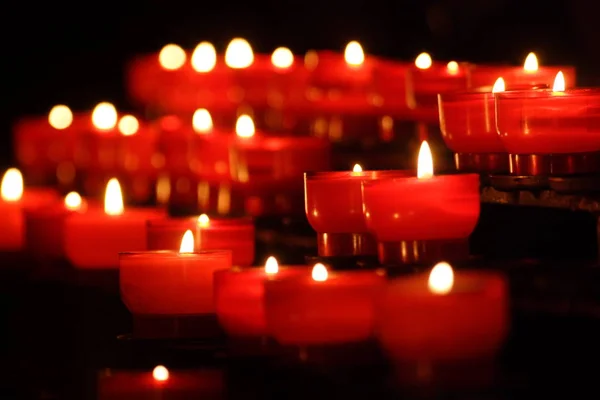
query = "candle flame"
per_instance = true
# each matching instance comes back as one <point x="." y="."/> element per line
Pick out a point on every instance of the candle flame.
<point x="499" y="85"/>
<point x="354" y="54"/>
<point x="60" y="117"/>
<point x="11" y="188"/>
<point x="202" y="121"/>
<point x="128" y="125"/>
<point x="187" y="242"/>
<point x="73" y="201"/>
<point x="204" y="57"/>
<point x="244" y="127"/>
<point x="203" y="220"/>
<point x="282" y="57"/>
<point x="113" y="198"/>
<point x="425" y="162"/>
<point x="171" y="57"/>
<point x="160" y="373"/>
<point x="452" y="67"/>
<point x="271" y="266"/>
<point x="559" y="82"/>
<point x="104" y="116"/>
<point x="531" y="63"/>
<point x="357" y="168"/>
<point x="239" y="54"/>
<point x="319" y="273"/>
<point x="441" y="279"/>
<point x="423" y="61"/>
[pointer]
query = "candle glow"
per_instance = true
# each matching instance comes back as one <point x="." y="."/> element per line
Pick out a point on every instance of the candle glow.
<point x="531" y="63"/>
<point x="239" y="54"/>
<point x="73" y="201"/>
<point x="354" y="54"/>
<point x="160" y="373"/>
<point x="357" y="168"/>
<point x="203" y="220"/>
<point x="128" y="125"/>
<point x="499" y="86"/>
<point x="104" y="116"/>
<point x="282" y="57"/>
<point x="441" y="279"/>
<point x="319" y="273"/>
<point x="60" y="117"/>
<point x="425" y="162"/>
<point x="113" y="199"/>
<point x="271" y="266"/>
<point x="11" y="188"/>
<point x="187" y="242"/>
<point x="423" y="61"/>
<point x="204" y="57"/>
<point x="559" y="82"/>
<point x="452" y="67"/>
<point x="244" y="127"/>
<point x="202" y="121"/>
<point x="171" y="57"/>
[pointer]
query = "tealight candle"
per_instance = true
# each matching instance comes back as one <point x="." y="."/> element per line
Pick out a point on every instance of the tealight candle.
<point x="94" y="239"/>
<point x="322" y="307"/>
<point x="443" y="316"/>
<point x="352" y="70"/>
<point x="333" y="204"/>
<point x="410" y="216"/>
<point x="239" y="297"/>
<point x="14" y="200"/>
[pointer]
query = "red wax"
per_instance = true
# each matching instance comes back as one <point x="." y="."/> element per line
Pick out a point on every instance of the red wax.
<point x="486" y="75"/>
<point x="301" y="311"/>
<point x="545" y="122"/>
<point x="12" y="224"/>
<point x="441" y="207"/>
<point x="169" y="282"/>
<point x="239" y="298"/>
<point x="330" y="69"/>
<point x="333" y="200"/>
<point x="94" y="239"/>
<point x="470" y="322"/>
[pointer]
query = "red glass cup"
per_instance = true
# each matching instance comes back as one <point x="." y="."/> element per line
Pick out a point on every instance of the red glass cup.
<point x="486" y="75"/>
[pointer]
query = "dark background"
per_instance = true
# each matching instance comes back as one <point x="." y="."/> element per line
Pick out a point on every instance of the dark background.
<point x="74" y="53"/>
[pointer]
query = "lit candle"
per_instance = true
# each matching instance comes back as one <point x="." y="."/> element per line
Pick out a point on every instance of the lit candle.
<point x="321" y="307"/>
<point x="443" y="316"/>
<point x="406" y="213"/>
<point x="94" y="239"/>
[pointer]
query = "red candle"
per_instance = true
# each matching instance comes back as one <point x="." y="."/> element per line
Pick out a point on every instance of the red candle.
<point x="14" y="201"/>
<point x="239" y="297"/>
<point x="235" y="234"/>
<point x="322" y="307"/>
<point x="334" y="209"/>
<point x="529" y="74"/>
<point x="351" y="71"/>
<point x="95" y="238"/>
<point x="443" y="317"/>
<point x="171" y="283"/>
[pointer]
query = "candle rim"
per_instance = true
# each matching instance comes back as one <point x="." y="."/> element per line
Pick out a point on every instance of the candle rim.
<point x="378" y="273"/>
<point x="168" y="221"/>
<point x="368" y="174"/>
<point x="459" y="177"/>
<point x="482" y="91"/>
<point x="169" y="253"/>
<point x="547" y="93"/>
<point x="483" y="66"/>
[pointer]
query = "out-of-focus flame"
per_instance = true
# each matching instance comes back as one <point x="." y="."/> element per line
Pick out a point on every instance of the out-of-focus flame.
<point x="531" y="63"/>
<point x="163" y="189"/>
<point x="160" y="373"/>
<point x="60" y="117"/>
<point x="203" y="220"/>
<point x="271" y="266"/>
<point x="11" y="188"/>
<point x="113" y="199"/>
<point x="425" y="162"/>
<point x="202" y="121"/>
<point x="244" y="127"/>
<point x="423" y="61"/>
<point x="239" y="54"/>
<point x="354" y="54"/>
<point x="204" y="57"/>
<point x="187" y="242"/>
<point x="452" y="67"/>
<point x="282" y="57"/>
<point x="104" y="116"/>
<point x="171" y="57"/>
<point x="357" y="168"/>
<point x="441" y="279"/>
<point x="128" y="125"/>
<point x="73" y="201"/>
<point x="559" y="82"/>
<point x="319" y="273"/>
<point x="499" y="86"/>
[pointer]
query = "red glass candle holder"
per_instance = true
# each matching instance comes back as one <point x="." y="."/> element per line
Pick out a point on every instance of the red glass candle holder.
<point x="303" y="312"/>
<point x="550" y="133"/>
<point x="334" y="208"/>
<point x="403" y="210"/>
<point x="486" y="75"/>
<point x="239" y="298"/>
<point x="470" y="322"/>
<point x="330" y="70"/>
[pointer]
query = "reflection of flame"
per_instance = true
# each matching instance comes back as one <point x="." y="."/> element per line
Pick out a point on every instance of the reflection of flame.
<point x="60" y="117"/>
<point x="171" y="57"/>
<point x="204" y="57"/>
<point x="244" y="127"/>
<point x="73" y="201"/>
<point x="187" y="242"/>
<point x="441" y="279"/>
<point x="499" y="86"/>
<point x="104" y="116"/>
<point x="559" y="82"/>
<point x="282" y="57"/>
<point x="531" y="63"/>
<point x="271" y="266"/>
<point x="425" y="162"/>
<point x="423" y="61"/>
<point x="11" y="188"/>
<point x="163" y="189"/>
<point x="357" y="168"/>
<point x="452" y="67"/>
<point x="319" y="273"/>
<point x="354" y="54"/>
<point x="202" y="121"/>
<point x="113" y="199"/>
<point x="160" y="373"/>
<point x="128" y="125"/>
<point x="239" y="54"/>
<point x="203" y="220"/>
